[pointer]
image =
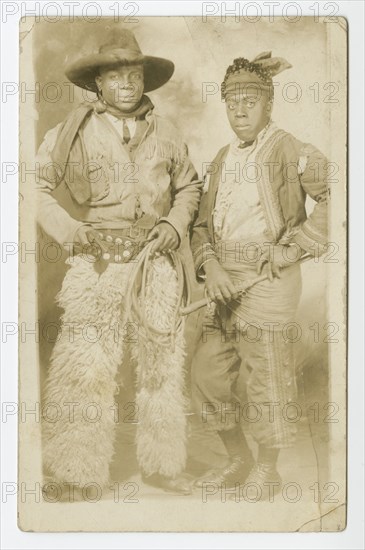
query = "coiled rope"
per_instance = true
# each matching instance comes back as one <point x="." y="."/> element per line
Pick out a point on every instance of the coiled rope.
<point x="136" y="297"/>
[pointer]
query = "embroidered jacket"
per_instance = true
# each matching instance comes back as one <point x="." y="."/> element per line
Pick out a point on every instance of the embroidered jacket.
<point x="288" y="171"/>
<point x="110" y="185"/>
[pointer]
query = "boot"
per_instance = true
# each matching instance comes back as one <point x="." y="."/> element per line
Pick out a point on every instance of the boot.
<point x="240" y="464"/>
<point x="263" y="473"/>
<point x="235" y="472"/>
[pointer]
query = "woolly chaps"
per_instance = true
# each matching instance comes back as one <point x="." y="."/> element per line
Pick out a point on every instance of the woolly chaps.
<point x="78" y="445"/>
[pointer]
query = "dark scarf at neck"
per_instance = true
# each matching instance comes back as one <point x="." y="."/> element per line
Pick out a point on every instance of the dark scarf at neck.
<point x="138" y="112"/>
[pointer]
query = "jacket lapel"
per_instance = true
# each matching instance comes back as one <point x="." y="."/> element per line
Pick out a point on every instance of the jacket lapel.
<point x="213" y="188"/>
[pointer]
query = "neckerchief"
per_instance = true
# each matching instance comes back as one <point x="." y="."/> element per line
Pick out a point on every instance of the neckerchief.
<point x="139" y="112"/>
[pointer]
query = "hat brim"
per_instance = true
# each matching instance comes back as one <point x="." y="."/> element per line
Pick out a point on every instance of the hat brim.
<point x="157" y="70"/>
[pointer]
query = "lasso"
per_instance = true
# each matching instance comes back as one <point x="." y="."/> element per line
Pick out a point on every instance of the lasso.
<point x="136" y="297"/>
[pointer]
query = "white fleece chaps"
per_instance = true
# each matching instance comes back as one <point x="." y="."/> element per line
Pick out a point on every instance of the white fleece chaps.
<point x="78" y="447"/>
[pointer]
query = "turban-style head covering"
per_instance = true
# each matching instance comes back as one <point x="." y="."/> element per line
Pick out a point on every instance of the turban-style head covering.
<point x="254" y="76"/>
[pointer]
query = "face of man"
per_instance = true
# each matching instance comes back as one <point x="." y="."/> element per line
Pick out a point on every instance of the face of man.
<point x="248" y="113"/>
<point x="122" y="86"/>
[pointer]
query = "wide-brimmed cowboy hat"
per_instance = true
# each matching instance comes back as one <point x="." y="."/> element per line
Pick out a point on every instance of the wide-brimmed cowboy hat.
<point x="122" y="48"/>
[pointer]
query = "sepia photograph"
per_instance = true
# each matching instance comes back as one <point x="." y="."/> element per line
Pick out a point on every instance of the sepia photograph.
<point x="182" y="273"/>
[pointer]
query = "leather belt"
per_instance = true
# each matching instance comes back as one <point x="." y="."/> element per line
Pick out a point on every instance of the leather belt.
<point x="116" y="245"/>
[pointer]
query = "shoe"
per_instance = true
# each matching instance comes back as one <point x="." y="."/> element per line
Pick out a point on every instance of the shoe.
<point x="236" y="472"/>
<point x="263" y="473"/>
<point x="178" y="485"/>
<point x="261" y="482"/>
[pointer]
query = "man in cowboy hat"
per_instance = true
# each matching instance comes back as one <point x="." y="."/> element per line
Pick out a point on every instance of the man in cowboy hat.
<point x="131" y="182"/>
<point x="251" y="217"/>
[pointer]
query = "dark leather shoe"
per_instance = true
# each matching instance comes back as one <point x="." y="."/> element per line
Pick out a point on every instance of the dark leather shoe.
<point x="263" y="473"/>
<point x="236" y="472"/>
<point x="257" y="484"/>
<point x="178" y="485"/>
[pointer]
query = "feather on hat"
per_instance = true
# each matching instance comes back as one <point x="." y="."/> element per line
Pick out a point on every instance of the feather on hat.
<point x="257" y="73"/>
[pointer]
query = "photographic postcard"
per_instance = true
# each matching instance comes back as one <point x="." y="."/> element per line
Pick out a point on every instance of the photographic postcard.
<point x="182" y="273"/>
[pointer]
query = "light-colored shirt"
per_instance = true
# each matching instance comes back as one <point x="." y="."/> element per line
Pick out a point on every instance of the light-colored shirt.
<point x="238" y="214"/>
<point x="118" y="123"/>
<point x="161" y="183"/>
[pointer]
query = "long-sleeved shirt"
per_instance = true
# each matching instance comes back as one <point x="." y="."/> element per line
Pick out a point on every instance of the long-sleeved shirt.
<point x="111" y="184"/>
<point x="238" y="214"/>
<point x="287" y="170"/>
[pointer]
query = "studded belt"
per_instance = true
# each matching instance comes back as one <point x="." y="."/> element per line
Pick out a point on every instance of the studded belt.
<point x="116" y="245"/>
